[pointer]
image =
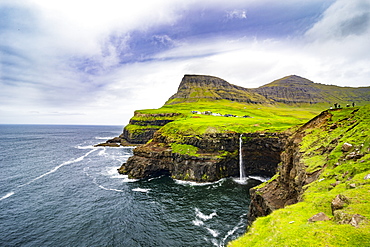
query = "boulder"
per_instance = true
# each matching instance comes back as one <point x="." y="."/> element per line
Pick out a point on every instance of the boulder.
<point x="338" y="202"/>
<point x="356" y="220"/>
<point x="319" y="217"/>
<point x="346" y="147"/>
<point x="341" y="217"/>
<point x="354" y="156"/>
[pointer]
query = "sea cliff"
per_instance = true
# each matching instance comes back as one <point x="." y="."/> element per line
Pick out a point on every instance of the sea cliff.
<point x="207" y="157"/>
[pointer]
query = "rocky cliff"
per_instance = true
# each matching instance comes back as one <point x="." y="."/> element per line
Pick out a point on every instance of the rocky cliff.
<point x="287" y="188"/>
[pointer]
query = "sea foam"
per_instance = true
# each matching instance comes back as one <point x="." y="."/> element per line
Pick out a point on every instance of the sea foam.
<point x="141" y="190"/>
<point x="7" y="195"/>
<point x="59" y="166"/>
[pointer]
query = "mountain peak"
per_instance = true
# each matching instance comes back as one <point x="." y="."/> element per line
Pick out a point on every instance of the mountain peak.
<point x="189" y="81"/>
<point x="204" y="87"/>
<point x="289" y="81"/>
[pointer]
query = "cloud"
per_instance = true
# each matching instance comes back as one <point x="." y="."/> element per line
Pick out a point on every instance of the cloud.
<point x="98" y="61"/>
<point x="237" y="13"/>
<point x="343" y="19"/>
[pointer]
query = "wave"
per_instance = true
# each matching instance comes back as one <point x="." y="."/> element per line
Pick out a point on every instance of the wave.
<point x="85" y="147"/>
<point x="191" y="183"/>
<point x="214" y="233"/>
<point x="202" y="216"/>
<point x="141" y="190"/>
<point x="109" y="189"/>
<point x="59" y="166"/>
<point x="104" y="138"/>
<point x="241" y="181"/>
<point x="155" y="178"/>
<point x="7" y="195"/>
<point x="262" y="179"/>
<point x="240" y="225"/>
<point x="97" y="184"/>
<point x="198" y="222"/>
<point x="101" y="152"/>
<point x="112" y="172"/>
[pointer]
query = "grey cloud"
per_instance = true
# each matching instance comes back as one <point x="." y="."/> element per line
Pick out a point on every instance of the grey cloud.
<point x="356" y="25"/>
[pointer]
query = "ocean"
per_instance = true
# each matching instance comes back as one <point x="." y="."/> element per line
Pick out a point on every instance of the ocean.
<point x="56" y="189"/>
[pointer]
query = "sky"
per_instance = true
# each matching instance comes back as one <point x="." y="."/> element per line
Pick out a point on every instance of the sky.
<point x="95" y="62"/>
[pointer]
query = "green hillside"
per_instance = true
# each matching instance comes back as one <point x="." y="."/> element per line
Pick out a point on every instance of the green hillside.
<point x="344" y="173"/>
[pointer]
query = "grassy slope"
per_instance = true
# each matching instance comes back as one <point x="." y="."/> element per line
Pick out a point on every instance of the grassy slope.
<point x="290" y="226"/>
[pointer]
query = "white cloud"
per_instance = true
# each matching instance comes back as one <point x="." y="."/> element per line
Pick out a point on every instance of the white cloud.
<point x="236" y="13"/>
<point x="58" y="37"/>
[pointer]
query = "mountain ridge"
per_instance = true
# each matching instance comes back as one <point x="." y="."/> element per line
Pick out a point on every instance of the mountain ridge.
<point x="291" y="89"/>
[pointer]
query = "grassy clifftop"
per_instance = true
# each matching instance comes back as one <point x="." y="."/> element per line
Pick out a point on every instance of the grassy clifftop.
<point x="245" y="118"/>
<point x="340" y="151"/>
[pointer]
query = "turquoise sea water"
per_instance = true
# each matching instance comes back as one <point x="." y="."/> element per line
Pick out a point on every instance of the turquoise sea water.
<point x="56" y="189"/>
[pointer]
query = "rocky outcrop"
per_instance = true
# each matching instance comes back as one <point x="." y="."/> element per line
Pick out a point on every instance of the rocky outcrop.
<point x="141" y="128"/>
<point x="216" y="157"/>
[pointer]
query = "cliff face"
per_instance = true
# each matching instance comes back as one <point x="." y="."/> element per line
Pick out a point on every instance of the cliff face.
<point x="287" y="188"/>
<point x="142" y="127"/>
<point x="294" y="173"/>
<point x="216" y="157"/>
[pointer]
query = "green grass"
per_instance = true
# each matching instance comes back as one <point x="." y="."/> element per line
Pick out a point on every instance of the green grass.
<point x="137" y="129"/>
<point x="184" y="149"/>
<point x="321" y="149"/>
<point x="262" y="118"/>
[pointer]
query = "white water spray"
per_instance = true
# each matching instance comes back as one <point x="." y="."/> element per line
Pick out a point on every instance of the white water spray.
<point x="241" y="167"/>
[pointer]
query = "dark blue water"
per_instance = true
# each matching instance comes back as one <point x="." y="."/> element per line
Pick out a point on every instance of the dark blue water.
<point x="56" y="189"/>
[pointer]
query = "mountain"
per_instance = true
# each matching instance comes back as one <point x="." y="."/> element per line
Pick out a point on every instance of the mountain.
<point x="202" y="87"/>
<point x="289" y="90"/>
<point x="296" y="89"/>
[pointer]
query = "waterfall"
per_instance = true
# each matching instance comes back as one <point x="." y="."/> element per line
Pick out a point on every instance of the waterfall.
<point x="241" y="167"/>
